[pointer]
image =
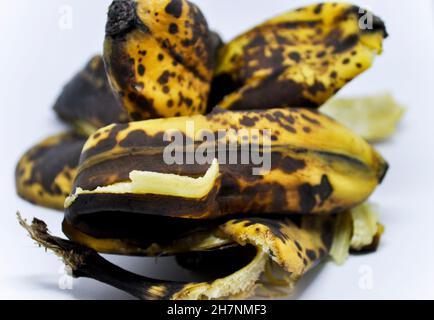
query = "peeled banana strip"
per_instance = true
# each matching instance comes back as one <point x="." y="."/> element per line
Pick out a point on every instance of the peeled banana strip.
<point x="87" y="101"/>
<point x="298" y="59"/>
<point x="160" y="57"/>
<point x="44" y="174"/>
<point x="375" y="118"/>
<point x="316" y="166"/>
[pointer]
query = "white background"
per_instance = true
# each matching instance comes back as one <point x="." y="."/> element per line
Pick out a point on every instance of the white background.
<point x="37" y="57"/>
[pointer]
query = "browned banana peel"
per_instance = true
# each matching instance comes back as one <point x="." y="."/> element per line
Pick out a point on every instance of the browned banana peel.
<point x="44" y="174"/>
<point x="160" y="57"/>
<point x="356" y="231"/>
<point x="375" y="118"/>
<point x="87" y="101"/>
<point x="276" y="253"/>
<point x="298" y="59"/>
<point x="125" y="188"/>
<point x="295" y="248"/>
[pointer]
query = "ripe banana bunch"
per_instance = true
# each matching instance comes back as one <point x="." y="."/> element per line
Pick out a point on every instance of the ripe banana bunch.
<point x="263" y="179"/>
<point x="298" y="59"/>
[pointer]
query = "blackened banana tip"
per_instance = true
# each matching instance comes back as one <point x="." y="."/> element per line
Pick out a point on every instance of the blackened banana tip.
<point x="377" y="23"/>
<point x="120" y="18"/>
<point x="383" y="172"/>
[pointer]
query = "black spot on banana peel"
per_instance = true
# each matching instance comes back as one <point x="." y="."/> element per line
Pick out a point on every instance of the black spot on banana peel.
<point x="87" y="101"/>
<point x="44" y="175"/>
<point x="293" y="248"/>
<point x="317" y="167"/>
<point x="298" y="59"/>
<point x="159" y="57"/>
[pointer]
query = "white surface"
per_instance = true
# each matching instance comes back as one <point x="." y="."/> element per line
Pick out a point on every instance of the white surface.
<point x="38" y="57"/>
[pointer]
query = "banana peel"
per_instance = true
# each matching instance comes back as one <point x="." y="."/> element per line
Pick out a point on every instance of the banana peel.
<point x="124" y="180"/>
<point x="375" y="118"/>
<point x="87" y="101"/>
<point x="44" y="175"/>
<point x="160" y="57"/>
<point x="301" y="58"/>
<point x="294" y="248"/>
<point x="274" y="254"/>
<point x="297" y="59"/>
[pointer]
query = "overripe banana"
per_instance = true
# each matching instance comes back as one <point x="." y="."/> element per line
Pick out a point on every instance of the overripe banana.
<point x="298" y="59"/>
<point x="87" y="101"/>
<point x="316" y="166"/>
<point x="160" y="57"/>
<point x="44" y="174"/>
<point x="283" y="216"/>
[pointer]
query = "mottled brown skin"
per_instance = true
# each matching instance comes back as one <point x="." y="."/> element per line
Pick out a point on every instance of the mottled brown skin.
<point x="323" y="170"/>
<point x="44" y="174"/>
<point x="298" y="59"/>
<point x="266" y="74"/>
<point x="160" y="57"/>
<point x="295" y="245"/>
<point x="87" y="101"/>
<point x="137" y="233"/>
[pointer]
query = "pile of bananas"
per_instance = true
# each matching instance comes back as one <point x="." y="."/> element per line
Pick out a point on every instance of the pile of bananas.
<point x="162" y="69"/>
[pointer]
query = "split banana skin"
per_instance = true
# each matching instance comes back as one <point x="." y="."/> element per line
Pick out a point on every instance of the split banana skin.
<point x="163" y="69"/>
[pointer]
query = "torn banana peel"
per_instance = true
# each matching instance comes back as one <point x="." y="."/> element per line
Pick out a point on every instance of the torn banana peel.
<point x="357" y="231"/>
<point x="160" y="57"/>
<point x="172" y="185"/>
<point x="317" y="166"/>
<point x="87" y="101"/>
<point x="270" y="252"/>
<point x="375" y="118"/>
<point x="294" y="246"/>
<point x="367" y="230"/>
<point x="298" y="59"/>
<point x="44" y="174"/>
